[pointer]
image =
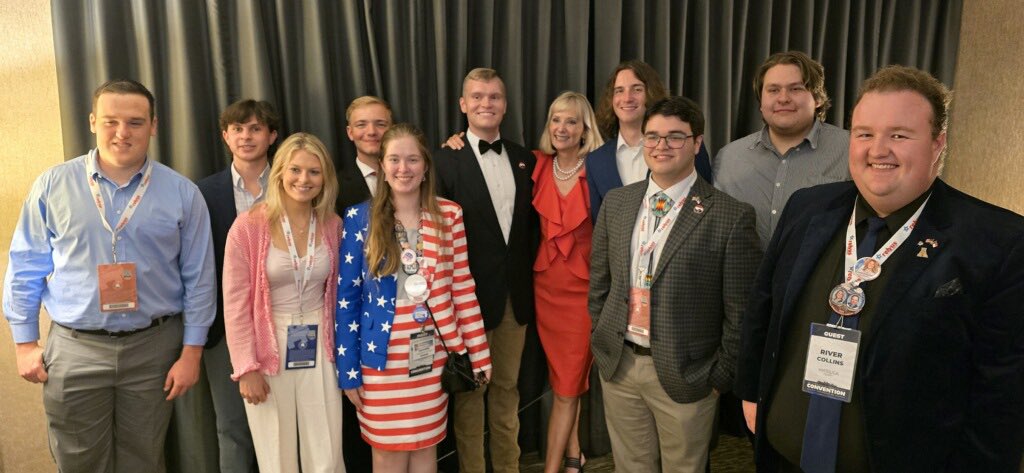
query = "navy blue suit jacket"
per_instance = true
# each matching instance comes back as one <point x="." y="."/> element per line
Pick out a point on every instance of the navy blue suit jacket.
<point x="942" y="377"/>
<point x="603" y="174"/>
<point x="220" y="199"/>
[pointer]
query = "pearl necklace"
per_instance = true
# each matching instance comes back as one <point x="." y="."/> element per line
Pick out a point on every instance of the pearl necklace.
<point x="559" y="173"/>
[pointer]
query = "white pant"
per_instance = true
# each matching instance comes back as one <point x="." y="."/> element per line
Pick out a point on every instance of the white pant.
<point x="302" y="412"/>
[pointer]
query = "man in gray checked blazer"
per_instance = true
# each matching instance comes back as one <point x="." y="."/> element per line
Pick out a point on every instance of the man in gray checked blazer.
<point x="672" y="264"/>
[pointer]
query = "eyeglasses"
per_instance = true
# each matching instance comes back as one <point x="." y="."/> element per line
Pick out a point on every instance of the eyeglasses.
<point x="674" y="140"/>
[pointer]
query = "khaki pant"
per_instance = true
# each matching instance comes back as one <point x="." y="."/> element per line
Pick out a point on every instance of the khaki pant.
<point x="649" y="431"/>
<point x="506" y="345"/>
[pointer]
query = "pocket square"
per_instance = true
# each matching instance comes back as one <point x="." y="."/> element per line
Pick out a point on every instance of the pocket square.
<point x="951" y="288"/>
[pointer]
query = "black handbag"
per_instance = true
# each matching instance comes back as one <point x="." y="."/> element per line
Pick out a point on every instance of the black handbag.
<point x="457" y="375"/>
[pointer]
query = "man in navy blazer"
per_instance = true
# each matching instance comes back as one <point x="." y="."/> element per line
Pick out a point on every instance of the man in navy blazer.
<point x="938" y="383"/>
<point x="249" y="128"/>
<point x="620" y="113"/>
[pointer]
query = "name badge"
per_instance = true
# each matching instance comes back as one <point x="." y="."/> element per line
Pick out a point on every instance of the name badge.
<point x="639" y="312"/>
<point x="118" y="287"/>
<point x="421" y="352"/>
<point x="831" y="362"/>
<point x="301" y="347"/>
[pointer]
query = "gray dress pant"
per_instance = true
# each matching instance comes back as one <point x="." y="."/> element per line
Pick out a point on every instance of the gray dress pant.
<point x="105" y="401"/>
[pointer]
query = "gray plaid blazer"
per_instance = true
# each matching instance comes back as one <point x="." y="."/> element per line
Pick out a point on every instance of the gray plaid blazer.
<point x="698" y="294"/>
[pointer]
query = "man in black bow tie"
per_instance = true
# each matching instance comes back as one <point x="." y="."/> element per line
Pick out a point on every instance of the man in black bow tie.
<point x="490" y="179"/>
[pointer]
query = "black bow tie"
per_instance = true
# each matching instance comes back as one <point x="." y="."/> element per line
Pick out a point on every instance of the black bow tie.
<point x="485" y="146"/>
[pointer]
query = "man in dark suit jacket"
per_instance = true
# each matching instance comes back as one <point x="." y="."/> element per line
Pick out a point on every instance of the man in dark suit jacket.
<point x="491" y="180"/>
<point x="939" y="374"/>
<point x="249" y="128"/>
<point x="368" y="118"/>
<point x="630" y="89"/>
<point x="666" y="320"/>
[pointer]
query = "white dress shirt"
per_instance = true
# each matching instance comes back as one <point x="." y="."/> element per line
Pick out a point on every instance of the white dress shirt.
<point x="369" y="175"/>
<point x="677" y="191"/>
<point x="630" y="161"/>
<point x="243" y="199"/>
<point x="501" y="184"/>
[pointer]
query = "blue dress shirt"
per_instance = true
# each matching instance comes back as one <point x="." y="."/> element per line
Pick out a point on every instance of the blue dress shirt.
<point x="59" y="241"/>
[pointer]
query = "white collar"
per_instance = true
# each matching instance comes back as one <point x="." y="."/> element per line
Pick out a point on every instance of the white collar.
<point x="677" y="191"/>
<point x="364" y="168"/>
<point x="236" y="178"/>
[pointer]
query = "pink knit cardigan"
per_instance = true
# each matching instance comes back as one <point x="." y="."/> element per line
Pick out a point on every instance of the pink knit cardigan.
<point x="248" y="321"/>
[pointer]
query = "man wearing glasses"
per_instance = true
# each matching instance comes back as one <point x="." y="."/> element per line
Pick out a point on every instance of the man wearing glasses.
<point x="672" y="263"/>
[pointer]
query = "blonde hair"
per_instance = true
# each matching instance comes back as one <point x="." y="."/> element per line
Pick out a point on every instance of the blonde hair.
<point x="577" y="104"/>
<point x="364" y="101"/>
<point x="323" y="204"/>
<point x="482" y="74"/>
<point x="382" y="255"/>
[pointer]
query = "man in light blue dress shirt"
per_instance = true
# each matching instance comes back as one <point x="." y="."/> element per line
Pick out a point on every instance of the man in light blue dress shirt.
<point x="117" y="248"/>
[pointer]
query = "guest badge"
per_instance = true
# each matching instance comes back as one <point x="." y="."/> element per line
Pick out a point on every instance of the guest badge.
<point x="118" y="290"/>
<point x="421" y="352"/>
<point x="831" y="361"/>
<point x="301" y="347"/>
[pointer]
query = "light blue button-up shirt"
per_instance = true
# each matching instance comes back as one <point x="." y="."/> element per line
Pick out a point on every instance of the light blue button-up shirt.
<point x="60" y="240"/>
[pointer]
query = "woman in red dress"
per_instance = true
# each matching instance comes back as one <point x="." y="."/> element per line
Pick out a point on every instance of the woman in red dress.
<point x="561" y="271"/>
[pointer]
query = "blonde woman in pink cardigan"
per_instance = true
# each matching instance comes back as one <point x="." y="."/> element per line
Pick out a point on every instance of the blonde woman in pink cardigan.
<point x="280" y="268"/>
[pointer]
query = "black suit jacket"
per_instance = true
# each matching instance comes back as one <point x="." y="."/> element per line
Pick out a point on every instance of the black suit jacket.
<point x="220" y="199"/>
<point x="352" y="188"/>
<point x="500" y="270"/>
<point x="942" y="379"/>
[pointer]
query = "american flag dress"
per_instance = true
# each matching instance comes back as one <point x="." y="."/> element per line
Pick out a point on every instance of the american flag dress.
<point x="373" y="329"/>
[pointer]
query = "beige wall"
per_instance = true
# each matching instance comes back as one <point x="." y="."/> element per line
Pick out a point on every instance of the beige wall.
<point x="31" y="142"/>
<point x="987" y="122"/>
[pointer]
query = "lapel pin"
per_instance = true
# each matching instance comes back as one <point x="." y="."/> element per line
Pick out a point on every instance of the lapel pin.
<point x="522" y="165"/>
<point x="923" y="253"/>
<point x="698" y="208"/>
<point x="932" y="242"/>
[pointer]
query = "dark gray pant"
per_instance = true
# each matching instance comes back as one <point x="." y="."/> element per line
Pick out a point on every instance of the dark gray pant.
<point x="104" y="399"/>
<point x="212" y="414"/>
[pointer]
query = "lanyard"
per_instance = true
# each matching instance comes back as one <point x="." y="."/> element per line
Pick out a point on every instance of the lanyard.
<point x="97" y="198"/>
<point x="300" y="282"/>
<point x="648" y="242"/>
<point x="883" y="253"/>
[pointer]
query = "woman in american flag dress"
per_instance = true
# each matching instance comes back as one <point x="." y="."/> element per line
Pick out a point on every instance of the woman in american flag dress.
<point x="403" y="283"/>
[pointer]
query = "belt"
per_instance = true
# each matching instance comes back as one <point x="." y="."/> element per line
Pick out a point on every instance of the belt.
<point x="637" y="349"/>
<point x="106" y="333"/>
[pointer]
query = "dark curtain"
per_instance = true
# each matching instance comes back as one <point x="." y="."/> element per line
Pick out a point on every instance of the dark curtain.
<point x="310" y="58"/>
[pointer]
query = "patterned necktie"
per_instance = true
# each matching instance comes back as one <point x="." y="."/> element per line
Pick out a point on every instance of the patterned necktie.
<point x="821" y="432"/>
<point x="484" y="146"/>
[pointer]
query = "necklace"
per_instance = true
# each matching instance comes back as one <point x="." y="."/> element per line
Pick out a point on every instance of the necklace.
<point x="565" y="175"/>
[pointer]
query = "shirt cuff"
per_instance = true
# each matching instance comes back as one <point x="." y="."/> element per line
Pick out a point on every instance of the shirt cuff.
<point x="195" y="335"/>
<point x="24" y="333"/>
